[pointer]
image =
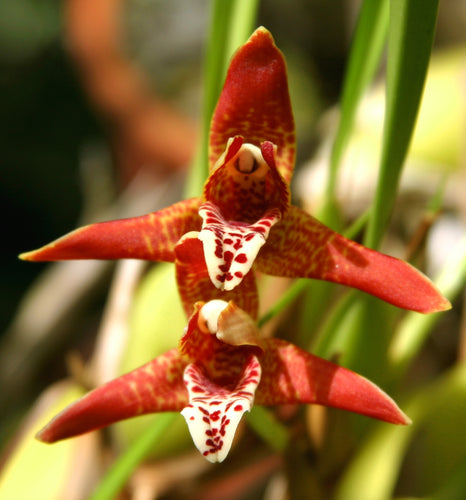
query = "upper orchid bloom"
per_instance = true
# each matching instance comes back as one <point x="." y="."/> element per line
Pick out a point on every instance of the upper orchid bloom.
<point x="244" y="216"/>
<point x="221" y="368"/>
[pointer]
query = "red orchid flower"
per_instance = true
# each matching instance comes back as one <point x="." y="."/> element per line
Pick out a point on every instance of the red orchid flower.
<point x="244" y="216"/>
<point x="220" y="368"/>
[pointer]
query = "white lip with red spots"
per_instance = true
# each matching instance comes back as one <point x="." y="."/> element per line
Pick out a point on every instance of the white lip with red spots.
<point x="231" y="247"/>
<point x="214" y="412"/>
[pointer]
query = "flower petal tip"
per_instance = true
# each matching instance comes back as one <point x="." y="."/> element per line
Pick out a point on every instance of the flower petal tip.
<point x="407" y="420"/>
<point x="444" y="305"/>
<point x="34" y="255"/>
<point x="26" y="256"/>
<point x="45" y="436"/>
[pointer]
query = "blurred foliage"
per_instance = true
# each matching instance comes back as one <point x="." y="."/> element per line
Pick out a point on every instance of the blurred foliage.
<point x="48" y="126"/>
<point x="44" y="122"/>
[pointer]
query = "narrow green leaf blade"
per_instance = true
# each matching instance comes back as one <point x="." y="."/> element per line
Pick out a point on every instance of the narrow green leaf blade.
<point x="121" y="470"/>
<point x="414" y="329"/>
<point x="231" y="24"/>
<point x="366" y="52"/>
<point x="214" y="73"/>
<point x="244" y="15"/>
<point x="410" y="37"/>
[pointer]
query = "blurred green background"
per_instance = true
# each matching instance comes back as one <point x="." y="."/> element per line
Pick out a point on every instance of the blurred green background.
<point x="54" y="138"/>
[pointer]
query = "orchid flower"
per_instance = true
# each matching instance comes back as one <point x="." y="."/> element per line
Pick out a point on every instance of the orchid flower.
<point x="244" y="217"/>
<point x="220" y="369"/>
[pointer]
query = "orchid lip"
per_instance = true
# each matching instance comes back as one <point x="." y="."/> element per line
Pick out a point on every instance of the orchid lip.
<point x="230" y="249"/>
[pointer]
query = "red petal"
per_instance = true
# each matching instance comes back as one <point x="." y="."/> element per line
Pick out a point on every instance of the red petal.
<point x="154" y="387"/>
<point x="149" y="237"/>
<point x="293" y="376"/>
<point x="254" y="102"/>
<point x="194" y="283"/>
<point x="300" y="246"/>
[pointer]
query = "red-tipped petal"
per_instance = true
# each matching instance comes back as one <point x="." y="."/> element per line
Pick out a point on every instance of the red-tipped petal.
<point x="149" y="237"/>
<point x="155" y="387"/>
<point x="291" y="375"/>
<point x="194" y="283"/>
<point x="300" y="246"/>
<point x="255" y="103"/>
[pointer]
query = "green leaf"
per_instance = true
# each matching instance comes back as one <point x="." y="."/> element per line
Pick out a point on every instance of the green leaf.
<point x="284" y="301"/>
<point x="156" y="320"/>
<point x="366" y="51"/>
<point x="231" y="23"/>
<point x="214" y="68"/>
<point x="332" y="337"/>
<point x="273" y="432"/>
<point x="438" y="413"/>
<point x="33" y="469"/>
<point x="373" y="472"/>
<point x="410" y="37"/>
<point x="455" y="486"/>
<point x="415" y="328"/>
<point x="243" y="18"/>
<point x="128" y="461"/>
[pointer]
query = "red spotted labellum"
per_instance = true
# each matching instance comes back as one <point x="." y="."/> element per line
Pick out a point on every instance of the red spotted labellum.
<point x="213" y="382"/>
<point x="221" y="368"/>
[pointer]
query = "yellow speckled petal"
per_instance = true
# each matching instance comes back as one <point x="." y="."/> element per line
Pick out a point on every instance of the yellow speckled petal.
<point x="154" y="387"/>
<point x="301" y="246"/>
<point x="149" y="237"/>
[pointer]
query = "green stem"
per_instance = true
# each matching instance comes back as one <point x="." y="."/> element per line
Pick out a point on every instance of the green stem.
<point x="366" y="52"/>
<point x="123" y="467"/>
<point x="271" y="430"/>
<point x="214" y="73"/>
<point x="285" y="300"/>
<point x="410" y="38"/>
<point x="243" y="18"/>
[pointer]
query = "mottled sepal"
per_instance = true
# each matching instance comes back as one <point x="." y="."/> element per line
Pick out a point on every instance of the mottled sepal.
<point x="149" y="237"/>
<point x="230" y="248"/>
<point x="255" y="103"/>
<point x="155" y="387"/>
<point x="291" y="375"/>
<point x="300" y="246"/>
<point x="214" y="411"/>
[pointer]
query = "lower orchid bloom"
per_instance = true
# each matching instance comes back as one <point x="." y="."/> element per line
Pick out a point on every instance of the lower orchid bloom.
<point x="220" y="370"/>
<point x="244" y="217"/>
